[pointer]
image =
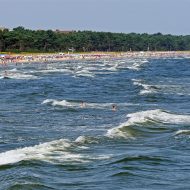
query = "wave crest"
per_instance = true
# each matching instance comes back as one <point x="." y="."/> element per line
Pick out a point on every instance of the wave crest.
<point x="58" y="103"/>
<point x="55" y="150"/>
<point x="157" y="115"/>
<point x="183" y="132"/>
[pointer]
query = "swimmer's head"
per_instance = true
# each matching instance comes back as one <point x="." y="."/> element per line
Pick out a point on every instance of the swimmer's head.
<point x="113" y="107"/>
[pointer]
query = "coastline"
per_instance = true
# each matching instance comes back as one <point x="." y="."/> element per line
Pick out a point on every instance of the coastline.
<point x="54" y="57"/>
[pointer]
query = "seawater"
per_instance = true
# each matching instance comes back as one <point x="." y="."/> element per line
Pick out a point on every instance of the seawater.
<point x="49" y="140"/>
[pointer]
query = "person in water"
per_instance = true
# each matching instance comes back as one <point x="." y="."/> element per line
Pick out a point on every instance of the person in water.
<point x="5" y="74"/>
<point x="83" y="104"/>
<point x="114" y="108"/>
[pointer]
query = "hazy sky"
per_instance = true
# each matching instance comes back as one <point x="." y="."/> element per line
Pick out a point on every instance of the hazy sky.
<point x="141" y="16"/>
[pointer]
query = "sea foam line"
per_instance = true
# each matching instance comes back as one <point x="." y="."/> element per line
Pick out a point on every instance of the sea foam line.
<point x="78" y="104"/>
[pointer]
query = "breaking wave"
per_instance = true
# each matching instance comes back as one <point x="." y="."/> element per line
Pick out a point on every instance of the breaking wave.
<point x="157" y="116"/>
<point x="46" y="152"/>
<point x="57" y="151"/>
<point x="78" y="104"/>
<point x="63" y="103"/>
<point x="183" y="132"/>
<point x="147" y="89"/>
<point x="18" y="76"/>
<point x="137" y="65"/>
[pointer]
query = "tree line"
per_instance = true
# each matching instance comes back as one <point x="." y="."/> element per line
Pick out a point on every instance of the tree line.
<point x="24" y="40"/>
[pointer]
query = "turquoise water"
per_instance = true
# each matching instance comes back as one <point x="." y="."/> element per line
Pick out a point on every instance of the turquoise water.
<point x="48" y="140"/>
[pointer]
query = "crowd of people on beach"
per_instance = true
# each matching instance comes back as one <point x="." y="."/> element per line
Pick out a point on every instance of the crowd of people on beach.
<point x="9" y="58"/>
<point x="30" y="58"/>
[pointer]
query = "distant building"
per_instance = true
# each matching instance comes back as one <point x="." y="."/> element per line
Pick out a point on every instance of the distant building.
<point x="40" y="30"/>
<point x="64" y="31"/>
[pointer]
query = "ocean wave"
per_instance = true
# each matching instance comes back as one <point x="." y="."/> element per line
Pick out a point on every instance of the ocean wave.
<point x="86" y="140"/>
<point x="74" y="70"/>
<point x="147" y="89"/>
<point x="26" y="185"/>
<point x="178" y="89"/>
<point x="132" y="64"/>
<point x="18" y="76"/>
<point x="133" y="158"/>
<point x="63" y="103"/>
<point x="45" y="151"/>
<point x="183" y="132"/>
<point x="54" y="70"/>
<point x="56" y="152"/>
<point x="83" y="74"/>
<point x="137" y="65"/>
<point x="78" y="104"/>
<point x="14" y="70"/>
<point x="157" y="115"/>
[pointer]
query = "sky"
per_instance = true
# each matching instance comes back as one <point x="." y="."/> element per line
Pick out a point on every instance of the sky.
<point x="126" y="16"/>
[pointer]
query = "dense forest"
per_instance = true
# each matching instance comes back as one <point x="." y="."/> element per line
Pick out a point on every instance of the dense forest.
<point x="24" y="40"/>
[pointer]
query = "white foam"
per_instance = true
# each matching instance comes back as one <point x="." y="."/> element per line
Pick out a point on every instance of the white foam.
<point x="46" y="152"/>
<point x="80" y="139"/>
<point x="60" y="103"/>
<point x="19" y="76"/>
<point x="144" y="116"/>
<point x="57" y="151"/>
<point x="165" y="89"/>
<point x="160" y="116"/>
<point x="84" y="73"/>
<point x="89" y="105"/>
<point x="148" y="89"/>
<point x="117" y="132"/>
<point x="137" y="65"/>
<point x="13" y="70"/>
<point x="55" y="70"/>
<point x="63" y="103"/>
<point x="47" y="101"/>
<point x="108" y="106"/>
<point x="84" y="140"/>
<point x="181" y="89"/>
<point x="185" y="132"/>
<point x="113" y="68"/>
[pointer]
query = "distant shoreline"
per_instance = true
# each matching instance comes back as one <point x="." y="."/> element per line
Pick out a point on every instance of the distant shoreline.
<point x="54" y="57"/>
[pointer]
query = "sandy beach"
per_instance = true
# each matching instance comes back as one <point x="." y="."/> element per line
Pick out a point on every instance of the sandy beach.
<point x="54" y="57"/>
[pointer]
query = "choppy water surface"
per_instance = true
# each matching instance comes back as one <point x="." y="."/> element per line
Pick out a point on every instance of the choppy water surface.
<point x="48" y="140"/>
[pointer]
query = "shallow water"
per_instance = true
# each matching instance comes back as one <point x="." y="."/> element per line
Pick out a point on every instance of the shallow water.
<point x="49" y="141"/>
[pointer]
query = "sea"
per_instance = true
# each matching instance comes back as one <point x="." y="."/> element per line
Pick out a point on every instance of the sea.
<point x="59" y="131"/>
